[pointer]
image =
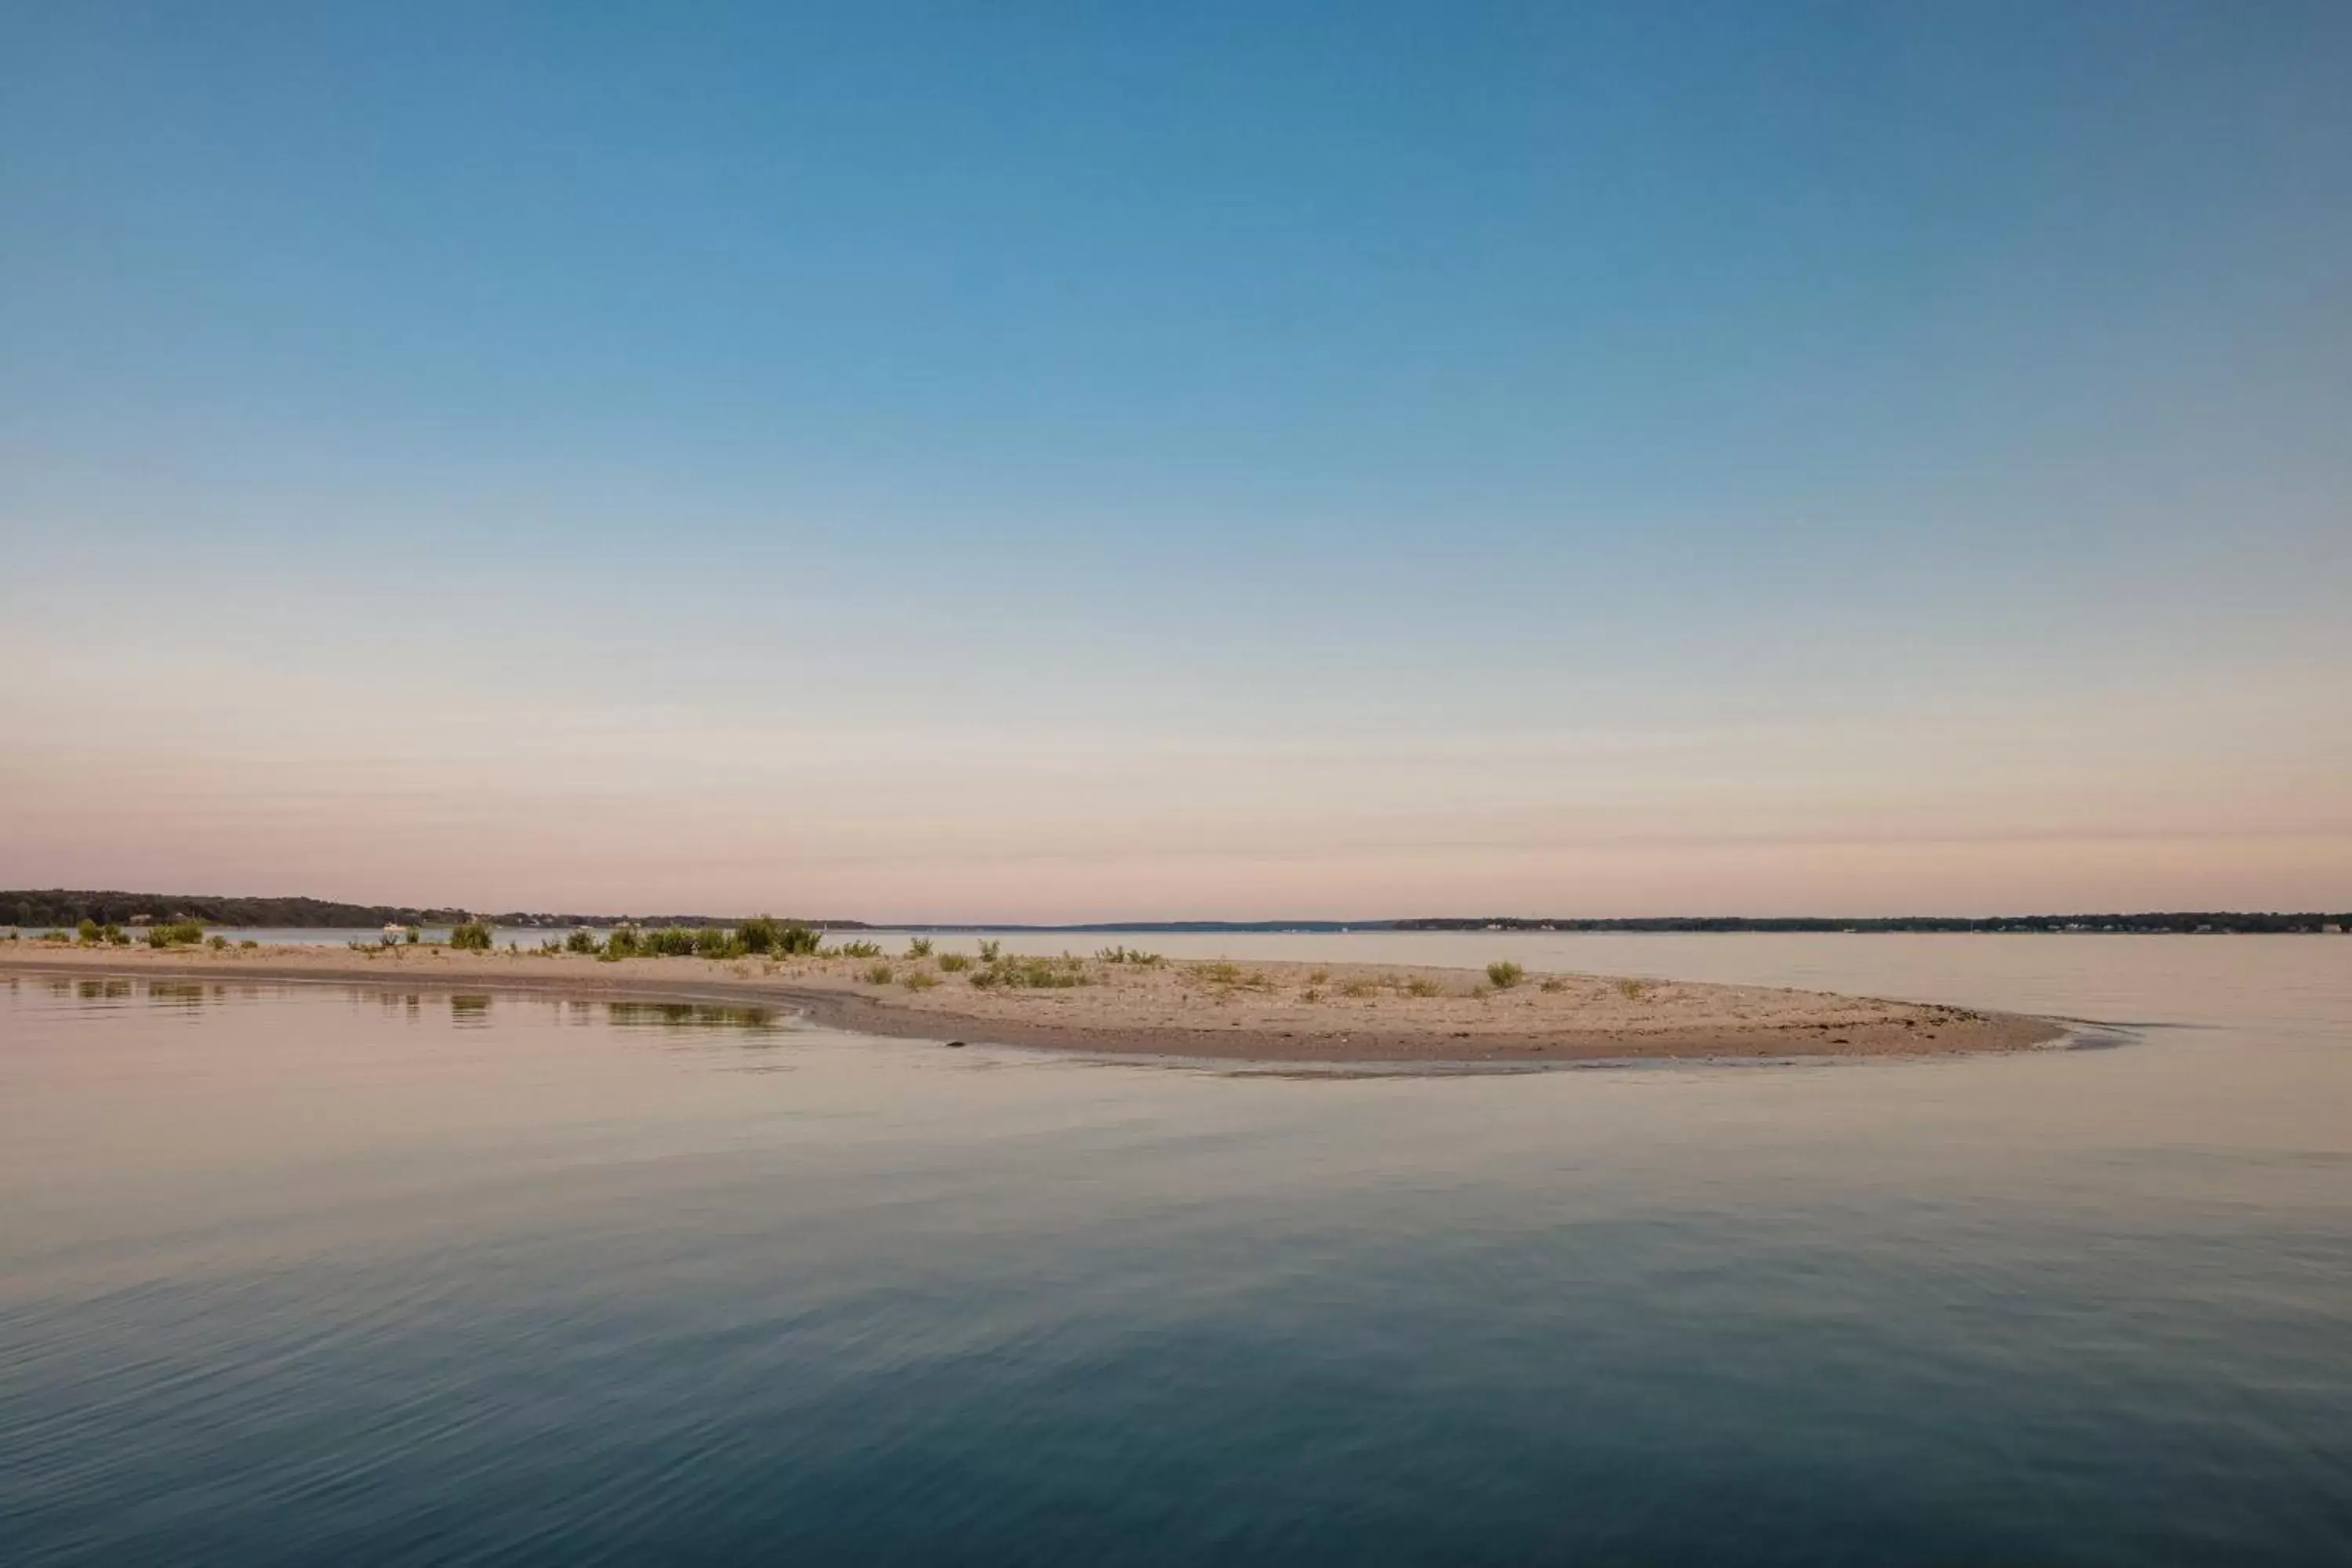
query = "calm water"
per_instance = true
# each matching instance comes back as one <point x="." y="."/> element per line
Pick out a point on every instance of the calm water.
<point x="322" y="1274"/>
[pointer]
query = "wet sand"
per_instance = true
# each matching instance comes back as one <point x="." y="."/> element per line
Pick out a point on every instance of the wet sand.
<point x="1237" y="1011"/>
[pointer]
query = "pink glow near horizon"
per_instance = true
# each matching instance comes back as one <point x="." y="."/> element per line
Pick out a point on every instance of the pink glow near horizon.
<point x="208" y="779"/>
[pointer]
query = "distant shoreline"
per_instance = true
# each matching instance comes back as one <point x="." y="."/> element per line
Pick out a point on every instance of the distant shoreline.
<point x="1268" y="1012"/>
<point x="36" y="909"/>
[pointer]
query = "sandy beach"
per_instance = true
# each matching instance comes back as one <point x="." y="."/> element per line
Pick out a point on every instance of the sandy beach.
<point x="1217" y="1010"/>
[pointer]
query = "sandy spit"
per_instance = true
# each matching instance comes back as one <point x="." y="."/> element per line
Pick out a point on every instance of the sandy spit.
<point x="1273" y="1012"/>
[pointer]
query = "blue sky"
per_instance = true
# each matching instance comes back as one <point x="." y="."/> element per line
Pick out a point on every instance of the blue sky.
<point x="1059" y="461"/>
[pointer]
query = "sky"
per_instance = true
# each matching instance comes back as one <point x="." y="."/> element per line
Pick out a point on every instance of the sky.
<point x="1055" y="463"/>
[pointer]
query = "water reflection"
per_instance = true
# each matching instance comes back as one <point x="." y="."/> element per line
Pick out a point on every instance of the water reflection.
<point x="470" y="1009"/>
<point x="672" y="1017"/>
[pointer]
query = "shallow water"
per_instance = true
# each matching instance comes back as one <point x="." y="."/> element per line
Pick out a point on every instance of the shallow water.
<point x="301" y="1274"/>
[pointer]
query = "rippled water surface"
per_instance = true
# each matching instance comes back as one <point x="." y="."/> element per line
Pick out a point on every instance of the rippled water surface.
<point x="322" y="1274"/>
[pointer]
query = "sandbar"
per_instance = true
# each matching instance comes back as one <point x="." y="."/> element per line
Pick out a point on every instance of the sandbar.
<point x="1231" y="1011"/>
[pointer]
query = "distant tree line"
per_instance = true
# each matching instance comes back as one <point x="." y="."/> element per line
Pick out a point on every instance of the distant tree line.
<point x="66" y="907"/>
<point x="63" y="907"/>
<point x="2152" y="923"/>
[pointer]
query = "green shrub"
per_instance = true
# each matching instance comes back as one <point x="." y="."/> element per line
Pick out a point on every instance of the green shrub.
<point x="955" y="963"/>
<point x="921" y="980"/>
<point x="623" y="943"/>
<point x="1504" y="973"/>
<point x="918" y="947"/>
<point x="711" y="941"/>
<point x="249" y="942"/>
<point x="670" y="941"/>
<point x="1040" y="974"/>
<point x="989" y="949"/>
<point x="581" y="940"/>
<point x="471" y="936"/>
<point x="878" y="974"/>
<point x="87" y="931"/>
<point x="1125" y="954"/>
<point x="1422" y="986"/>
<point x="1553" y="986"/>
<point x="757" y="934"/>
<point x="414" y="936"/>
<point x="795" y="940"/>
<point x="860" y="950"/>
<point x="217" y="941"/>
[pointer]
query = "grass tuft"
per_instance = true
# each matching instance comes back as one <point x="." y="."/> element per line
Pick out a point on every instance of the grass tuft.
<point x="1503" y="974"/>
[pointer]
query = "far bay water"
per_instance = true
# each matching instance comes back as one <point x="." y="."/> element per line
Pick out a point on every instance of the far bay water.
<point x="334" y="1273"/>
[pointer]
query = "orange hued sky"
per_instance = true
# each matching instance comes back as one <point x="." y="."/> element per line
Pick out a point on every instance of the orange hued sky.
<point x="1574" y="461"/>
